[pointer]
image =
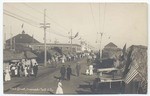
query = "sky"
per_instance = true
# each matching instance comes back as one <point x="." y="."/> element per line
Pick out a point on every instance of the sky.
<point x="120" y="23"/>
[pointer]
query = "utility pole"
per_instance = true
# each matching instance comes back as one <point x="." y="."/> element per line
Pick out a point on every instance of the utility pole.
<point x="71" y="39"/>
<point x="45" y="26"/>
<point x="4" y="46"/>
<point x="11" y="38"/>
<point x="101" y="45"/>
<point x="14" y="44"/>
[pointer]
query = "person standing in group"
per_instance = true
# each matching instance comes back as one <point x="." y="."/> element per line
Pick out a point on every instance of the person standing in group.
<point x="31" y="68"/>
<point x="35" y="69"/>
<point x="13" y="70"/>
<point x="28" y="70"/>
<point x="78" y="68"/>
<point x="91" y="70"/>
<point x="59" y="89"/>
<point x="7" y="75"/>
<point x="18" y="69"/>
<point x="22" y="70"/>
<point x="25" y="71"/>
<point x="63" y="72"/>
<point x="69" y="72"/>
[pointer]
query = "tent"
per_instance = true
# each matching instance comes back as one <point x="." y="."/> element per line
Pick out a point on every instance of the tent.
<point x="9" y="55"/>
<point x="135" y="73"/>
<point x="30" y="55"/>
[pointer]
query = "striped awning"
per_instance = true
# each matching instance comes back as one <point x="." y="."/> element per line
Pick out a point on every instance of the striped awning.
<point x="132" y="73"/>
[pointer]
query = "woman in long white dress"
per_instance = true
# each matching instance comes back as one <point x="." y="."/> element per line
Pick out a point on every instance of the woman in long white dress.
<point x="16" y="72"/>
<point x="87" y="72"/>
<point x="25" y="71"/>
<point x="91" y="70"/>
<point x="63" y="60"/>
<point x="59" y="89"/>
<point x="7" y="76"/>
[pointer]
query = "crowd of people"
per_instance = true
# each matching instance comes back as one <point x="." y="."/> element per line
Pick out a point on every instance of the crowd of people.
<point x="67" y="72"/>
<point x="20" y="68"/>
<point x="29" y="67"/>
<point x="56" y="59"/>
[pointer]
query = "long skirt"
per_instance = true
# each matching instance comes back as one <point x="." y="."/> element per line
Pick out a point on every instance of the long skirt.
<point x="87" y="71"/>
<point x="91" y="72"/>
<point x="25" y="72"/>
<point x="7" y="77"/>
<point x="16" y="72"/>
<point x="59" y="90"/>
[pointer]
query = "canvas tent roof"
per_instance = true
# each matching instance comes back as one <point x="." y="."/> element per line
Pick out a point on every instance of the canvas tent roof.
<point x="30" y="55"/>
<point x="53" y="52"/>
<point x="137" y="65"/>
<point x="7" y="55"/>
<point x="11" y="55"/>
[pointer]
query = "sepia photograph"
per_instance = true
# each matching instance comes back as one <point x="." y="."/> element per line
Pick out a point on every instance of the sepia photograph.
<point x="75" y="48"/>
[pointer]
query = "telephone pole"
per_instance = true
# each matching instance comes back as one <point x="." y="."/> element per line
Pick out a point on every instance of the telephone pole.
<point x="4" y="41"/>
<point x="100" y="49"/>
<point x="45" y="26"/>
<point x="11" y="42"/>
<point x="14" y="43"/>
<point x="101" y="45"/>
<point x="71" y="39"/>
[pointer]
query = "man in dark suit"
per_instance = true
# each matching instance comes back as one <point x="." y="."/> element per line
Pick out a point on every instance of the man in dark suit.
<point x="63" y="72"/>
<point x="35" y="69"/>
<point x="69" y="72"/>
<point x="78" y="68"/>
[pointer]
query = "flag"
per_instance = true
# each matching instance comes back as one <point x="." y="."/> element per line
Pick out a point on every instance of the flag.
<point x="76" y="35"/>
<point x="22" y="25"/>
<point x="124" y="49"/>
<point x="131" y="75"/>
<point x="133" y="72"/>
<point x="123" y="52"/>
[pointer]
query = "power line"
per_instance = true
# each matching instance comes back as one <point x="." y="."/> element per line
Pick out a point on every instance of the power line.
<point x="29" y="20"/>
<point x="93" y="16"/>
<point x="20" y="19"/>
<point x="29" y="23"/>
<point x="58" y="24"/>
<point x="104" y="17"/>
<point x="33" y="8"/>
<point x="22" y="11"/>
<point x="58" y="34"/>
<point x="46" y="16"/>
<point x="99" y="19"/>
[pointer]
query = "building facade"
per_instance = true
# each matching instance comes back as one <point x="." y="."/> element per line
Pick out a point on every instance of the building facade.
<point x="66" y="48"/>
<point x="24" y="42"/>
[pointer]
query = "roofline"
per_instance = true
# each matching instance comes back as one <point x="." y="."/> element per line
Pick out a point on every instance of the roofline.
<point x="53" y="44"/>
